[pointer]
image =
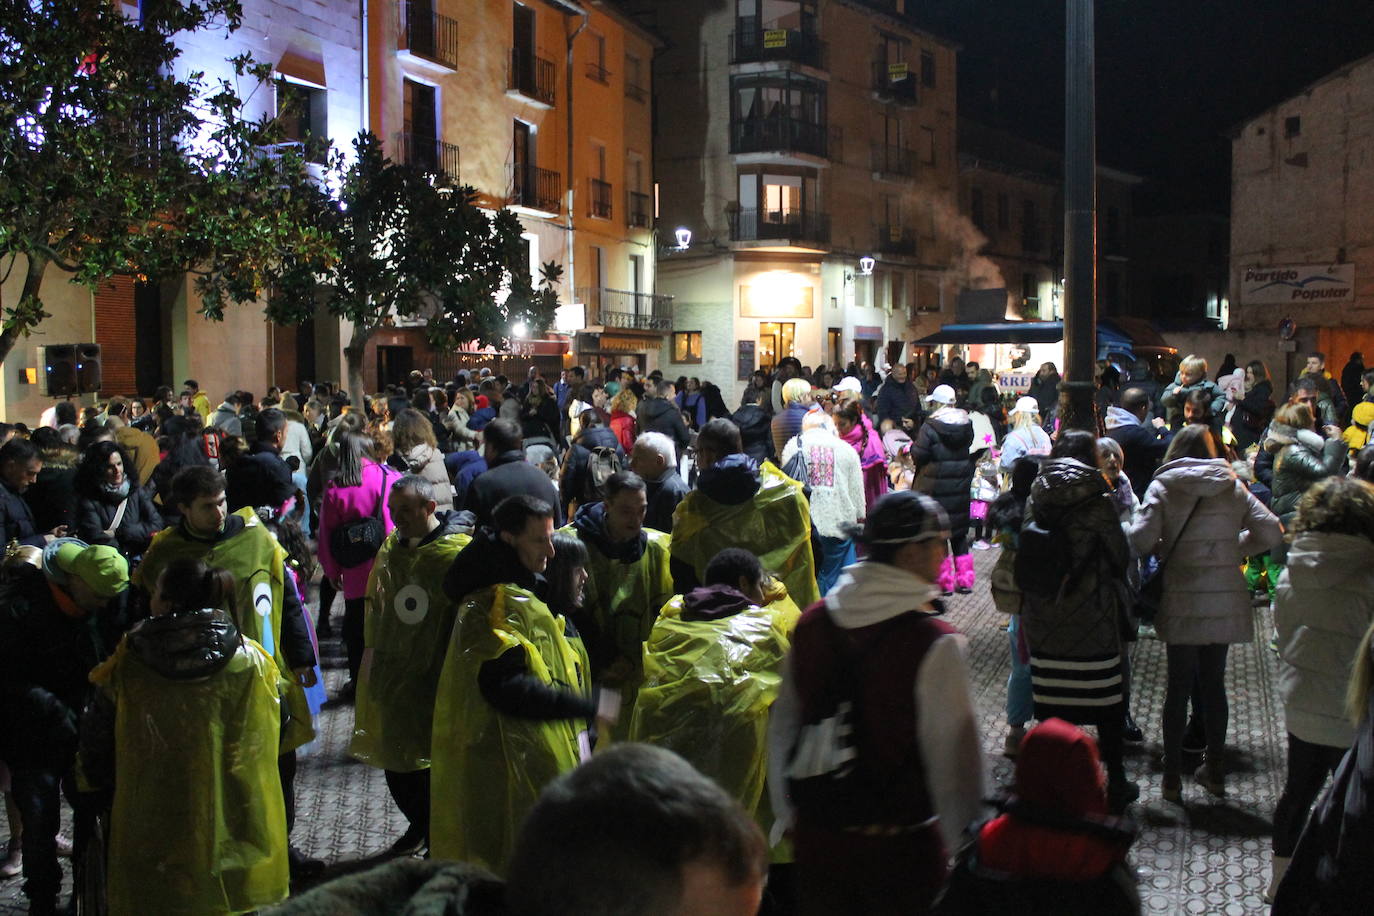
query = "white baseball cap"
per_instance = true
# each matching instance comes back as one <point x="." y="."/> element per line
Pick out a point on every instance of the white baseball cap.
<point x="943" y="394"/>
<point x="848" y="383"/>
<point x="1025" y="404"/>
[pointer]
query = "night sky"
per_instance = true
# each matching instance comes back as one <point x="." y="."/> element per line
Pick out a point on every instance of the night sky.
<point x="1173" y="76"/>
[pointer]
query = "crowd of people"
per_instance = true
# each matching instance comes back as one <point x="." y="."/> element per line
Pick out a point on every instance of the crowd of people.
<point x="534" y="570"/>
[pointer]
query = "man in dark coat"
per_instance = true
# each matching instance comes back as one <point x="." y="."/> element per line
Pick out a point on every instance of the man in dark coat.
<point x="19" y="467"/>
<point x="658" y="413"/>
<point x="262" y="478"/>
<point x="898" y="399"/>
<point x="507" y="474"/>
<point x="1143" y="441"/>
<point x="654" y="460"/>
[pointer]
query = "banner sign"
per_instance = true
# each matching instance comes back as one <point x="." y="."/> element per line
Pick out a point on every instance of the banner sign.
<point x="1286" y="283"/>
<point x="775" y="38"/>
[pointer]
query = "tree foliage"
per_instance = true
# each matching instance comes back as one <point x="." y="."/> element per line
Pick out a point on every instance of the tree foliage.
<point x="406" y="244"/>
<point x="113" y="162"/>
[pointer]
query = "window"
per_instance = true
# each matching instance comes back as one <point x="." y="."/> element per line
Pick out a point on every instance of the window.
<point x="833" y="343"/>
<point x="1030" y="226"/>
<point x="634" y="79"/>
<point x="1003" y="211"/>
<point x="783" y="95"/>
<point x="928" y="69"/>
<point x="926" y="145"/>
<point x="975" y="206"/>
<point x="420" y="119"/>
<point x="776" y="339"/>
<point x="304" y="116"/>
<point x="686" y="346"/>
<point x="1292" y="126"/>
<point x="596" y="67"/>
<point x="898" y="289"/>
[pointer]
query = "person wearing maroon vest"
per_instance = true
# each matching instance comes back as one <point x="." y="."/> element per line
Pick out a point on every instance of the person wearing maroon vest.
<point x="874" y="756"/>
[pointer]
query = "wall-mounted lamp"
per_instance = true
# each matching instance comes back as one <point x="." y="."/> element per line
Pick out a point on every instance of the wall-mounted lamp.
<point x="684" y="237"/>
<point x="519" y="329"/>
<point x="866" y="266"/>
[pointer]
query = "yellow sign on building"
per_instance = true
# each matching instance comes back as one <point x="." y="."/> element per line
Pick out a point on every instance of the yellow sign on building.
<point x="775" y="38"/>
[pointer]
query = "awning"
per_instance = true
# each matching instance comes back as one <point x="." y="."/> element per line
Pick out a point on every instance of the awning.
<point x="1017" y="332"/>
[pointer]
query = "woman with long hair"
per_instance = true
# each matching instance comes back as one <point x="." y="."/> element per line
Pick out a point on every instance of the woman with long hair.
<point x="1324" y="602"/>
<point x="1256" y="408"/>
<point x="460" y="437"/>
<point x="111" y="507"/>
<point x="623" y="407"/>
<point x="1026" y="437"/>
<point x="358" y="491"/>
<point x="1202" y="522"/>
<point x="412" y="435"/>
<point x="855" y="428"/>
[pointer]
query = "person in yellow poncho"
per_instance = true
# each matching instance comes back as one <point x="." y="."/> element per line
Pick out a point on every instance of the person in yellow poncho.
<point x="272" y="613"/>
<point x="712" y="668"/>
<point x="407" y="624"/>
<point x="186" y="723"/>
<point x="627" y="582"/>
<point x="738" y="504"/>
<point x="514" y="703"/>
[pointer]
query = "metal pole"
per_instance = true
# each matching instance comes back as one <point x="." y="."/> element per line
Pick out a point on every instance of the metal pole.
<point x="1076" y="401"/>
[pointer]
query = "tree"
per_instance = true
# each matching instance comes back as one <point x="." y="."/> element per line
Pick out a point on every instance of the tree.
<point x="406" y="244"/>
<point x="111" y="163"/>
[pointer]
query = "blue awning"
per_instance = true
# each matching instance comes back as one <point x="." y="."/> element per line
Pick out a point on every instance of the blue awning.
<point x="1018" y="332"/>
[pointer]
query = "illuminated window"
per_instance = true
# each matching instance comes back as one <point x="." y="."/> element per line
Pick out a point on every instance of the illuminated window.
<point x="686" y="346"/>
<point x="776" y="340"/>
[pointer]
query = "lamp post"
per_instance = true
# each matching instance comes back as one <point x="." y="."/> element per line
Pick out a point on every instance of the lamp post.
<point x="1076" y="401"/>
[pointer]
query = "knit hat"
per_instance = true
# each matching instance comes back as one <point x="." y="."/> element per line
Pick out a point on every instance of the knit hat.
<point x="943" y="394"/>
<point x="904" y="517"/>
<point x="100" y="567"/>
<point x="1025" y="404"/>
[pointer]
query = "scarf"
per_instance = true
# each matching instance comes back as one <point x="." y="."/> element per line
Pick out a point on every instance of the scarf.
<point x="866" y="442"/>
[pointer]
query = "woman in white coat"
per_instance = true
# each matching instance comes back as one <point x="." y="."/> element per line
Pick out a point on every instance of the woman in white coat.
<point x="1322" y="608"/>
<point x="1203" y="523"/>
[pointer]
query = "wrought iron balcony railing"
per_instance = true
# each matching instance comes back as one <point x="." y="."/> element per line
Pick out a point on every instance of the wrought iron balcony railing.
<point x="777" y="135"/>
<point x="781" y="225"/>
<point x="750" y="43"/>
<point x="895" y="81"/>
<point x="536" y="188"/>
<point x="893" y="161"/>
<point x="429" y="154"/>
<point x="430" y="35"/>
<point x="599" y="202"/>
<point x="618" y="308"/>
<point x="639" y="210"/>
<point x="533" y="77"/>
<point x="896" y="239"/>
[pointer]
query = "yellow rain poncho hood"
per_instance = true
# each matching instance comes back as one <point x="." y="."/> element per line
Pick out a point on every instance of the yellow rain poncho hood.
<point x="708" y="686"/>
<point x="407" y="628"/>
<point x="489" y="768"/>
<point x="198" y="824"/>
<point x="256" y="561"/>
<point x="774" y="525"/>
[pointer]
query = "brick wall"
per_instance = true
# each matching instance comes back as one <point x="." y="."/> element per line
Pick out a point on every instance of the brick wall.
<point x="116" y="332"/>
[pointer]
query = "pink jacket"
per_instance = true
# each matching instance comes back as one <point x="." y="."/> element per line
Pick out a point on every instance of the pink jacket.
<point x="341" y="505"/>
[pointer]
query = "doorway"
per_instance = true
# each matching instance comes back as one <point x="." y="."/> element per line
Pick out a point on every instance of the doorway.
<point x="394" y="365"/>
<point x="777" y="339"/>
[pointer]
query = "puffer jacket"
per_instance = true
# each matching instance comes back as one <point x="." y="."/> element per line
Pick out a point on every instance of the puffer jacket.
<point x="1301" y="458"/>
<point x="944" y="467"/>
<point x="1205" y="599"/>
<point x="1175" y="394"/>
<point x="426" y="461"/>
<point x="1324" y="604"/>
<point x="1073" y="501"/>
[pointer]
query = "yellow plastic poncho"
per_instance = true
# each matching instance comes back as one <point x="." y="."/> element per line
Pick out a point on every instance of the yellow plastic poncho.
<point x="198" y="825"/>
<point x="488" y="768"/>
<point x="775" y="526"/>
<point x="257" y="562"/>
<point x="708" y="686"/>
<point x="406" y="632"/>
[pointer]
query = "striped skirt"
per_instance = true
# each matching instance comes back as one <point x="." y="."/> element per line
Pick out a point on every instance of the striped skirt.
<point x="1083" y="691"/>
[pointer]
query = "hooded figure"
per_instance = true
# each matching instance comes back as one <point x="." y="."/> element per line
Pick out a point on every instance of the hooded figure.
<point x="944" y="471"/>
<point x="1054" y="851"/>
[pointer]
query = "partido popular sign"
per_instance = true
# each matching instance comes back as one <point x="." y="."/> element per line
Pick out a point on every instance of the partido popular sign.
<point x="1298" y="283"/>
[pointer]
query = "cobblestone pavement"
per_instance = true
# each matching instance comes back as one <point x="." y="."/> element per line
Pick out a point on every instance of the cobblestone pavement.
<point x="1211" y="856"/>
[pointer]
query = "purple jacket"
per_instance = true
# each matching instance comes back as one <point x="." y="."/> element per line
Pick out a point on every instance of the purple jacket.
<point x="341" y="505"/>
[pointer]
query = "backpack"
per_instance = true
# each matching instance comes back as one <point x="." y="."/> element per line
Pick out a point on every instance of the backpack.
<point x="799" y="468"/>
<point x="602" y="462"/>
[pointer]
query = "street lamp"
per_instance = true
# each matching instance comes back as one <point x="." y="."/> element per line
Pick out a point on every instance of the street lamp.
<point x="684" y="237"/>
<point x="519" y="329"/>
<point x="866" y="266"/>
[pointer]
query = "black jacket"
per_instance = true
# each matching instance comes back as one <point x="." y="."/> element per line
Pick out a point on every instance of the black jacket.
<point x="755" y="432"/>
<point x="664" y="495"/>
<point x="1046" y="393"/>
<point x="510" y="474"/>
<point x="52" y="498"/>
<point x="944" y="467"/>
<point x="259" y="479"/>
<point x="141" y="521"/>
<point x="1143" y="447"/>
<point x="657" y="415"/>
<point x="16" y="521"/>
<point x="573" y="481"/>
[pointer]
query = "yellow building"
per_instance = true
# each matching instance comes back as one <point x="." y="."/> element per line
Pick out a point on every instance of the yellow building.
<point x="808" y="146"/>
<point x="542" y="106"/>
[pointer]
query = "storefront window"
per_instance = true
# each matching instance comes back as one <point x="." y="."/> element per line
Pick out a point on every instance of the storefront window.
<point x="776" y="340"/>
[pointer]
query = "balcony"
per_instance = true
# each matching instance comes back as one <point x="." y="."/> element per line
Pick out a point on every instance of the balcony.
<point x="599" y="201"/>
<point x="598" y="73"/>
<point x="532" y="77"/>
<point x="893" y="162"/>
<point x="637" y="93"/>
<point x="429" y="35"/>
<point x="750" y="43"/>
<point x="778" y="135"/>
<point x="618" y="308"/>
<point x="895" y="82"/>
<point x="639" y="210"/>
<point x="788" y="226"/>
<point x="896" y="239"/>
<point x="428" y="154"/>
<point x="536" y="189"/>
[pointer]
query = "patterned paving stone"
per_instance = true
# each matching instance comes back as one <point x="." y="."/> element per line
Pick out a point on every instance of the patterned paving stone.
<point x="1209" y="857"/>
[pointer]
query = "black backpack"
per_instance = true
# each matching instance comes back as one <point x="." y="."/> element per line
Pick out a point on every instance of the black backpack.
<point x="1043" y="556"/>
<point x="602" y="462"/>
<point x="798" y="467"/>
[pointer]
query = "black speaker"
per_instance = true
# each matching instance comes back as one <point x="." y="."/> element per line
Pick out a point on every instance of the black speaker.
<point x="88" y="367"/>
<point x="57" y="373"/>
